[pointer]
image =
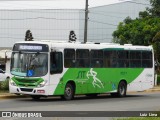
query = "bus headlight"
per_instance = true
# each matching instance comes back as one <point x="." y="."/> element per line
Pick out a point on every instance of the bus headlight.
<point x="42" y="84"/>
<point x="12" y="82"/>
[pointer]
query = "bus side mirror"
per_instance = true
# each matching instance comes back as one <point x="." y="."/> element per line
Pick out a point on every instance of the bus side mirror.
<point x="1" y="71"/>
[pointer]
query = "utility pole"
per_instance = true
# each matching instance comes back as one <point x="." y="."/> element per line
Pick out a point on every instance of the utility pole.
<point x="86" y="22"/>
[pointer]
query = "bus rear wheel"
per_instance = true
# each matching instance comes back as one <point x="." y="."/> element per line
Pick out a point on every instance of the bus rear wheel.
<point x="122" y="88"/>
<point x="68" y="92"/>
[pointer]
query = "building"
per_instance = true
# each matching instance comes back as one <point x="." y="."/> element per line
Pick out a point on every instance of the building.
<point x="5" y="56"/>
<point x="56" y="24"/>
<point x="103" y="20"/>
<point x="44" y="24"/>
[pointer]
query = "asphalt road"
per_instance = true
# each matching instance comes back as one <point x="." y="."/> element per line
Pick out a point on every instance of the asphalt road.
<point x="139" y="101"/>
<point x="132" y="102"/>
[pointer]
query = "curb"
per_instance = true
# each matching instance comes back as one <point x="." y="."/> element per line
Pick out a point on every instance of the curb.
<point x="152" y="90"/>
<point x="12" y="96"/>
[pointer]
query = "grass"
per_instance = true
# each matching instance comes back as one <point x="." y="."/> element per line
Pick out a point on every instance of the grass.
<point x="4" y="91"/>
<point x="139" y="118"/>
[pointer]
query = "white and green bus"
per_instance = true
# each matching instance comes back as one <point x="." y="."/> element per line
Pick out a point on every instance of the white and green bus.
<point x="49" y="68"/>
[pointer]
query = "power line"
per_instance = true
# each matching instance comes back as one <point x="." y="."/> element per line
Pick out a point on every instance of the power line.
<point x="119" y="12"/>
<point x="45" y="11"/>
<point x="42" y="38"/>
<point x="59" y="11"/>
<point x="50" y="35"/>
<point x="11" y="37"/>
<point x="139" y="3"/>
<point x="41" y="29"/>
<point x="37" y="18"/>
<point x="94" y="21"/>
<point x="100" y="38"/>
<point x="26" y="18"/>
<point x="38" y="29"/>
<point x="105" y="15"/>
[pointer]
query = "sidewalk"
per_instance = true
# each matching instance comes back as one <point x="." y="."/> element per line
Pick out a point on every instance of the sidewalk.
<point x="156" y="88"/>
<point x="9" y="95"/>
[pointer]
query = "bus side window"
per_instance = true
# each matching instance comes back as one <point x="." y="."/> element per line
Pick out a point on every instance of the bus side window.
<point x="56" y="62"/>
<point x="82" y="58"/>
<point x="135" y="59"/>
<point x="69" y="58"/>
<point x="110" y="58"/>
<point x="96" y="58"/>
<point x="147" y="59"/>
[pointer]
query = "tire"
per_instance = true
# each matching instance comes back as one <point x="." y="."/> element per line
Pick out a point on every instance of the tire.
<point x="122" y="88"/>
<point x="35" y="97"/>
<point x="68" y="92"/>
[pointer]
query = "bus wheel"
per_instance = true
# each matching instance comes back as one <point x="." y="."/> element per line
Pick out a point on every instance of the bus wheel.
<point x="35" y="97"/>
<point x="69" y="92"/>
<point x="122" y="88"/>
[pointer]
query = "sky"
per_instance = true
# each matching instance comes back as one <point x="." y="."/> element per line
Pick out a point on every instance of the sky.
<point x="53" y="4"/>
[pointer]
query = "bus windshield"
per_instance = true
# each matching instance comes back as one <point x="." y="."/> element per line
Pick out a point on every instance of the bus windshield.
<point x="29" y="64"/>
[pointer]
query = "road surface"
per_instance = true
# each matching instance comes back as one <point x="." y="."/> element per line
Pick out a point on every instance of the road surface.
<point x="138" y="101"/>
<point x="133" y="102"/>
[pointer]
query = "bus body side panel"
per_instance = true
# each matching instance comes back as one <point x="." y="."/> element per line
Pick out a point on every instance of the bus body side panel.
<point x="100" y="80"/>
<point x="56" y="81"/>
<point x="143" y="82"/>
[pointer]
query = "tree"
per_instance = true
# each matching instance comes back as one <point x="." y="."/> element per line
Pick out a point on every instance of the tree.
<point x="139" y="31"/>
<point x="144" y="14"/>
<point x="156" y="46"/>
<point x="28" y="36"/>
<point x="144" y="30"/>
<point x="155" y="9"/>
<point x="72" y="36"/>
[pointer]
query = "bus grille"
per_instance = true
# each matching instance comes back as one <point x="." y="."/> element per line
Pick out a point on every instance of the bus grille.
<point x="28" y="85"/>
<point x="26" y="81"/>
<point x="26" y="89"/>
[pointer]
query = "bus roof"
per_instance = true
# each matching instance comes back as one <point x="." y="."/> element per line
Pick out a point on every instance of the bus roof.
<point x="88" y="45"/>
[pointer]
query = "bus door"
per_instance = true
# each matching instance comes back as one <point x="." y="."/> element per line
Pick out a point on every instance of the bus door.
<point x="56" y="67"/>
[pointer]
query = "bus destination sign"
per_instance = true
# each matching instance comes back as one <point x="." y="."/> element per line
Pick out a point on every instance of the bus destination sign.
<point x="27" y="47"/>
<point x="31" y="47"/>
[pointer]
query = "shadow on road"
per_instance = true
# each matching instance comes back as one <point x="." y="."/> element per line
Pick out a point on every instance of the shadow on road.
<point x="80" y="98"/>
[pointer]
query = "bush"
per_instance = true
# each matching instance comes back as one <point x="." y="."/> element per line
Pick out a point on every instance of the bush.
<point x="158" y="79"/>
<point x="4" y="85"/>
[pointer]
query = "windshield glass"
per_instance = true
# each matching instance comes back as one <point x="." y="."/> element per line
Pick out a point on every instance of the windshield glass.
<point x="29" y="64"/>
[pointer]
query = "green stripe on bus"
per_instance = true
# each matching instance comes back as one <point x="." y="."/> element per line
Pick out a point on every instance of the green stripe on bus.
<point x="97" y="80"/>
<point x="27" y="82"/>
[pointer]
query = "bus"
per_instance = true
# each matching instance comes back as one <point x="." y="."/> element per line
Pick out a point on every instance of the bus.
<point x="58" y="68"/>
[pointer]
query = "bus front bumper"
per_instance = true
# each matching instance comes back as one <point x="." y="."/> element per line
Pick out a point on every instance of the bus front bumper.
<point x="30" y="91"/>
